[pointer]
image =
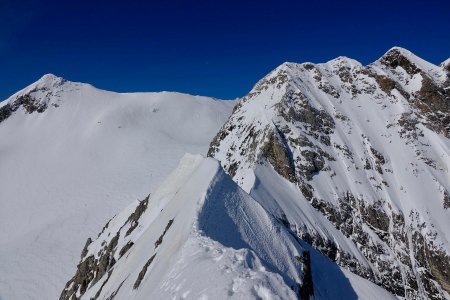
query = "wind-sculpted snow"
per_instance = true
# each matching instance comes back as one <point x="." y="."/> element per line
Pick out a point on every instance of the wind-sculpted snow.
<point x="71" y="157"/>
<point x="202" y="237"/>
<point x="199" y="219"/>
<point x="362" y="155"/>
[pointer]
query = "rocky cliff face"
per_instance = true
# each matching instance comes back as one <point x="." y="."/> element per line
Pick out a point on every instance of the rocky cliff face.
<point x="368" y="149"/>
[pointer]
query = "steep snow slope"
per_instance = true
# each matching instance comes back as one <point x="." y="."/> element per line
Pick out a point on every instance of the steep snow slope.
<point x="71" y="156"/>
<point x="355" y="159"/>
<point x="199" y="236"/>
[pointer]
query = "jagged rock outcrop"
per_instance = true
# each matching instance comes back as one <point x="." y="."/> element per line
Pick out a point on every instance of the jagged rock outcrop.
<point x="368" y="148"/>
<point x="95" y="266"/>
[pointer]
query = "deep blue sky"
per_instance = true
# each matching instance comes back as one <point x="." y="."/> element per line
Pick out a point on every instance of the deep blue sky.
<point x="213" y="48"/>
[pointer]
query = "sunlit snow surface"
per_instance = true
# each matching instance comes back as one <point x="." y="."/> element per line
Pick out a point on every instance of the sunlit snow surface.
<point x="64" y="172"/>
<point x="222" y="244"/>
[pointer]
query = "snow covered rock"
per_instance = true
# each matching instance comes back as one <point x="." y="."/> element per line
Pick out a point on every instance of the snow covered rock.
<point x="356" y="160"/>
<point x="34" y="98"/>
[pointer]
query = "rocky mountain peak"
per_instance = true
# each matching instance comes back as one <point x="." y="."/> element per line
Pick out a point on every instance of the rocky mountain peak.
<point x="399" y="57"/>
<point x="43" y="85"/>
<point x="37" y="97"/>
<point x="344" y="134"/>
<point x="403" y="64"/>
<point x="277" y="78"/>
<point x="50" y="78"/>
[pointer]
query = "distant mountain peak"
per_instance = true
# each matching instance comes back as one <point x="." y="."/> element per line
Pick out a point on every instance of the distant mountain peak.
<point x="399" y="49"/>
<point x="47" y="84"/>
<point x="400" y="57"/>
<point x="50" y="77"/>
<point x="36" y="97"/>
<point x="47" y="81"/>
<point x="344" y="61"/>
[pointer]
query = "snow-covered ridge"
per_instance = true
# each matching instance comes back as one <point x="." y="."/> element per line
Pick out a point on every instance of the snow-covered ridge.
<point x="364" y="150"/>
<point x="200" y="236"/>
<point x="50" y="90"/>
<point x="197" y="220"/>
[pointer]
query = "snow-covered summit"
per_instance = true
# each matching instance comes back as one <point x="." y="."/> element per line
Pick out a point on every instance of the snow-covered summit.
<point x="343" y="61"/>
<point x="48" y="83"/>
<point x="50" y="78"/>
<point x="410" y="63"/>
<point x="401" y="50"/>
<point x="396" y="52"/>
<point x="38" y="96"/>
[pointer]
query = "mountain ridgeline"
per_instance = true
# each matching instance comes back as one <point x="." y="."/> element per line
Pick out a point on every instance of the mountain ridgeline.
<point x="326" y="181"/>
